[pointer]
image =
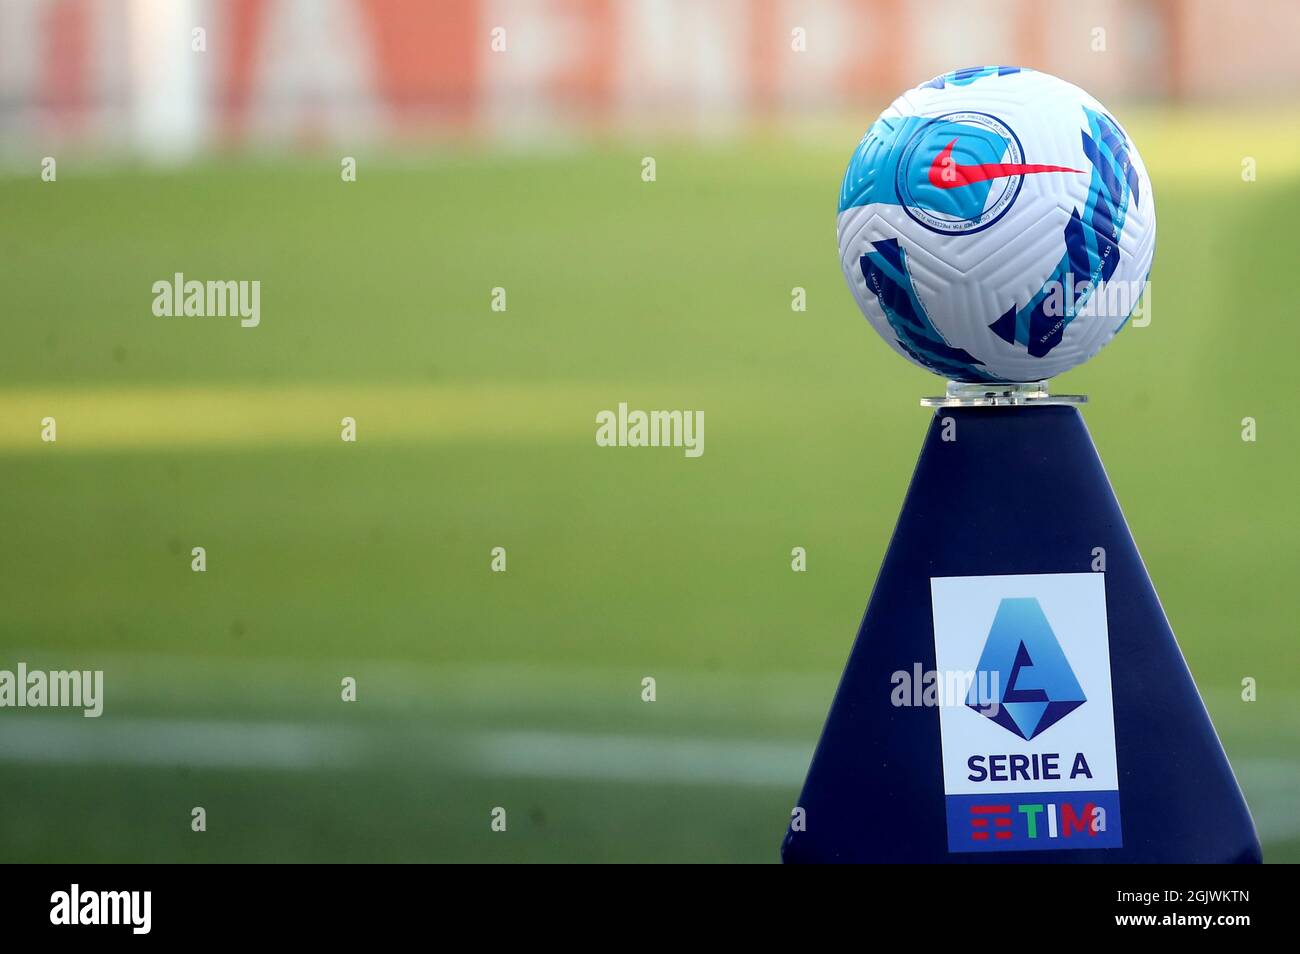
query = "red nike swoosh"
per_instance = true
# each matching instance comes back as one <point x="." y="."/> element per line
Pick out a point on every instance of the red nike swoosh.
<point x="947" y="174"/>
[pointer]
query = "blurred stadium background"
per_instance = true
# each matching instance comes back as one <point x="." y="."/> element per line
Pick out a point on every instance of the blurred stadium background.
<point x="217" y="154"/>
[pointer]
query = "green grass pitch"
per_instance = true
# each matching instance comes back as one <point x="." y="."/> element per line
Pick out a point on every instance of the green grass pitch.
<point x="475" y="430"/>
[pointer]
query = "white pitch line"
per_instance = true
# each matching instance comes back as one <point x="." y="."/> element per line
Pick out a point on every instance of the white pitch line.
<point x="171" y="742"/>
<point x="65" y="739"/>
<point x="1271" y="787"/>
<point x="297" y="746"/>
<point x="629" y="758"/>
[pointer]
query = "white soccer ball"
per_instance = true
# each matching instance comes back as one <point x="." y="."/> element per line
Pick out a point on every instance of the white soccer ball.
<point x="996" y="224"/>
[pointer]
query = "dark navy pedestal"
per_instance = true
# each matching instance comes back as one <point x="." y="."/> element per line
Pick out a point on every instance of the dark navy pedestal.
<point x="1020" y="490"/>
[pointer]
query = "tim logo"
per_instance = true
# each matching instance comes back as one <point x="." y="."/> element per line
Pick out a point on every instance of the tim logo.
<point x="1028" y="822"/>
<point x="1037" y="684"/>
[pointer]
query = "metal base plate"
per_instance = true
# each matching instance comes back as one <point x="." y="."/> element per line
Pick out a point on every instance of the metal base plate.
<point x="963" y="394"/>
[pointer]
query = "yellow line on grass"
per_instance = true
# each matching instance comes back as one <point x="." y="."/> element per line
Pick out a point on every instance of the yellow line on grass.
<point x="96" y="419"/>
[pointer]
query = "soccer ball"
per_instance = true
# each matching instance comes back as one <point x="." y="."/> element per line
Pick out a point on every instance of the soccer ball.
<point x="996" y="224"/>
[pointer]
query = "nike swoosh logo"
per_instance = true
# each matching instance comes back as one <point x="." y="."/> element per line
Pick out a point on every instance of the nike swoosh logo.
<point x="947" y="174"/>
